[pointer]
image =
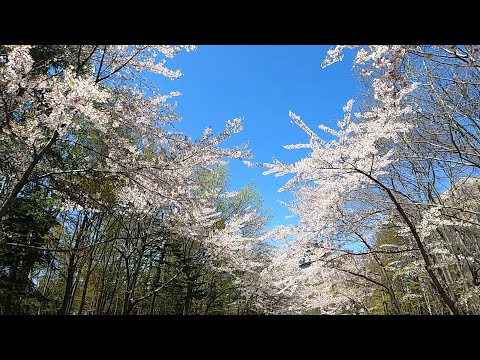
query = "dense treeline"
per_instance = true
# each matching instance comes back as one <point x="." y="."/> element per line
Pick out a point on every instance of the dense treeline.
<point x="104" y="262"/>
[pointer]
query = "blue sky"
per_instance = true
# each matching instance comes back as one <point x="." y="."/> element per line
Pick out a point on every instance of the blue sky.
<point x="261" y="83"/>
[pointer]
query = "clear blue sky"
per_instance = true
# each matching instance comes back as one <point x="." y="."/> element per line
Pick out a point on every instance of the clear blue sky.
<point x="261" y="83"/>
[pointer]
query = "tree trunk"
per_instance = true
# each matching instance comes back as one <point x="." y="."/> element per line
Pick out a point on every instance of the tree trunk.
<point x="85" y="284"/>
<point x="67" y="295"/>
<point x="188" y="298"/>
<point x="24" y="179"/>
<point x="68" y="286"/>
<point x="44" y="291"/>
<point x="158" y="274"/>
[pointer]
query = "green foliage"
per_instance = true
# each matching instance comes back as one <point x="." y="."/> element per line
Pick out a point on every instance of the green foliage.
<point x="55" y="58"/>
<point x="27" y="228"/>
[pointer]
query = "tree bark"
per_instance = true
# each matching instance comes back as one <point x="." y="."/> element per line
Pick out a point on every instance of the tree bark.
<point x="24" y="179"/>
<point x="67" y="295"/>
<point x="85" y="284"/>
<point x="188" y="298"/>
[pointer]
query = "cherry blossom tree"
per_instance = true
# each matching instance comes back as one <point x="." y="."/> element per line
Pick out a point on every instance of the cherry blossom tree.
<point x="83" y="123"/>
<point x="99" y="89"/>
<point x="386" y="165"/>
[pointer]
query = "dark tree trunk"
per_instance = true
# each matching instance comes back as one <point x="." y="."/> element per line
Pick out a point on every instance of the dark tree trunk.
<point x="85" y="284"/>
<point x="68" y="293"/>
<point x="188" y="298"/>
<point x="24" y="179"/>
